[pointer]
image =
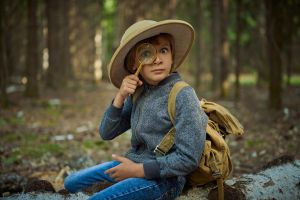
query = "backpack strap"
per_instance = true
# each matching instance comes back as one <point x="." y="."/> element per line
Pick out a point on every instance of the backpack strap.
<point x="168" y="140"/>
<point x="220" y="185"/>
<point x="172" y="98"/>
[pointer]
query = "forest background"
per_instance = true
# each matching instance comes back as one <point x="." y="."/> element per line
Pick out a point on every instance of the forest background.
<point x="55" y="87"/>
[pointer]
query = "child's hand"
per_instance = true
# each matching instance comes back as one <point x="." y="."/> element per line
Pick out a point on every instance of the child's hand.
<point x="128" y="87"/>
<point x="126" y="169"/>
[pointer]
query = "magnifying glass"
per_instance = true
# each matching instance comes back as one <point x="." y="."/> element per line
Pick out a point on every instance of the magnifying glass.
<point x="145" y="54"/>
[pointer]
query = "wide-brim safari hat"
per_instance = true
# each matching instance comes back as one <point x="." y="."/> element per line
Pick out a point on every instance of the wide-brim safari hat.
<point x="182" y="32"/>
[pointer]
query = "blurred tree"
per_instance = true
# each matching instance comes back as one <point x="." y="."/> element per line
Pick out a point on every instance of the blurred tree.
<point x="32" y="59"/>
<point x="3" y="63"/>
<point x="129" y="11"/>
<point x="66" y="60"/>
<point x="84" y="22"/>
<point x="197" y="46"/>
<point x="110" y="32"/>
<point x="291" y="16"/>
<point x="237" y="49"/>
<point x="56" y="73"/>
<point x="274" y="34"/>
<point x="215" y="47"/>
<point x="224" y="50"/>
<point x="172" y="9"/>
<point x="15" y="42"/>
<point x="258" y="42"/>
<point x="100" y="31"/>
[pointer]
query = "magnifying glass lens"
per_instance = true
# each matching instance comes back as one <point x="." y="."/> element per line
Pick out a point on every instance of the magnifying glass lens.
<point x="146" y="53"/>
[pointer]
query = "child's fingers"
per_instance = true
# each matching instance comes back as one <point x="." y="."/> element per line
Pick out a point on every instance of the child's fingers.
<point x="120" y="158"/>
<point x="110" y="171"/>
<point x="132" y="85"/>
<point x="130" y="91"/>
<point x="129" y="80"/>
<point x="133" y="77"/>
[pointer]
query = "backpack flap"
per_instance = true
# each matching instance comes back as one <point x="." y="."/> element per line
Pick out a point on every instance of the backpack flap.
<point x="222" y="117"/>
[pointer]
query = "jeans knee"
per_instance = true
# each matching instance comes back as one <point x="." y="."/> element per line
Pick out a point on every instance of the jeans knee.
<point x="69" y="183"/>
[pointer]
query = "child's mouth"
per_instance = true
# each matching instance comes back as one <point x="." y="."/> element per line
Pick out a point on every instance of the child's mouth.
<point x="157" y="71"/>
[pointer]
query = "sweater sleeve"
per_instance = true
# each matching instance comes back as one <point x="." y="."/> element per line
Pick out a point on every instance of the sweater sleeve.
<point x="190" y="125"/>
<point x="115" y="120"/>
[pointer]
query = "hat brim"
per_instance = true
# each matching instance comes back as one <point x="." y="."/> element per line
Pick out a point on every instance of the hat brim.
<point x="182" y="32"/>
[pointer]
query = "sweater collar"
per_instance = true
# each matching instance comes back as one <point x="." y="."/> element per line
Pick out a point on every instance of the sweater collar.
<point x="168" y="80"/>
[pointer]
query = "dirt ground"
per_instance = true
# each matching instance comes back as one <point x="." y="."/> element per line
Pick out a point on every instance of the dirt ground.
<point x="58" y="133"/>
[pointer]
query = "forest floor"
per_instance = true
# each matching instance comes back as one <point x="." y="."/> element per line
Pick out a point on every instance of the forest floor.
<point x="47" y="138"/>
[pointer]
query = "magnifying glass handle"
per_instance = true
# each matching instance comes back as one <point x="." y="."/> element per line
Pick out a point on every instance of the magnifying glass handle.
<point x="138" y="69"/>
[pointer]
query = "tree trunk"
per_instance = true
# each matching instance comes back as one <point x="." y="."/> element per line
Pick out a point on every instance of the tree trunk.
<point x="15" y="42"/>
<point x="274" y="45"/>
<point x="32" y="64"/>
<point x="289" y="33"/>
<point x="56" y="76"/>
<point x="197" y="47"/>
<point x="172" y="9"/>
<point x="289" y="58"/>
<point x="66" y="62"/>
<point x="277" y="182"/>
<point x="102" y="31"/>
<point x="3" y="63"/>
<point x="237" y="50"/>
<point x="93" y="17"/>
<point x="215" y="54"/>
<point x="224" y="50"/>
<point x="259" y="35"/>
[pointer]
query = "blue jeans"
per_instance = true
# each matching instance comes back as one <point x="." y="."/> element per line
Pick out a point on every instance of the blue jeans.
<point x="131" y="188"/>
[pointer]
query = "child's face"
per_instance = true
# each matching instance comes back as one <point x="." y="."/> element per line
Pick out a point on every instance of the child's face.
<point x="161" y="67"/>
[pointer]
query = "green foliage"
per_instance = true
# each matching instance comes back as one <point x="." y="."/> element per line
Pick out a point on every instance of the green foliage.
<point x="40" y="149"/>
<point x="295" y="80"/>
<point x="3" y="122"/>
<point x="54" y="115"/>
<point x="30" y="146"/>
<point x="108" y="25"/>
<point x="92" y="144"/>
<point x="254" y="143"/>
<point x="11" y="159"/>
<point x="51" y="109"/>
<point x="109" y="6"/>
<point x="248" y="79"/>
<point x="17" y="119"/>
<point x="10" y="138"/>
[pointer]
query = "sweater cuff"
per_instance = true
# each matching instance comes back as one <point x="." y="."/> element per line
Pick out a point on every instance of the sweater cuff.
<point x="151" y="170"/>
<point x="114" y="112"/>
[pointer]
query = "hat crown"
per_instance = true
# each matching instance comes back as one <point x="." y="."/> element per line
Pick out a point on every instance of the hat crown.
<point x="135" y="29"/>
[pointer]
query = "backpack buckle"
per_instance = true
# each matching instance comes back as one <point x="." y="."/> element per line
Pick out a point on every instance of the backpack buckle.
<point x="216" y="173"/>
<point x="159" y="152"/>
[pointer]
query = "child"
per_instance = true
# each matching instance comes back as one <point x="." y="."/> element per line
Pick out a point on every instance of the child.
<point x="142" y="173"/>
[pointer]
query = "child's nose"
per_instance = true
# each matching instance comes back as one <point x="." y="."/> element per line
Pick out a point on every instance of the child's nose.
<point x="157" y="59"/>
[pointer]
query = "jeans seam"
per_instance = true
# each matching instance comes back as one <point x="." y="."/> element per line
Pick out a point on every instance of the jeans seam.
<point x="137" y="189"/>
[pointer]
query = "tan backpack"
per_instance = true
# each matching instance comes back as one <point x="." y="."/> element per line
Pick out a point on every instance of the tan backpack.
<point x="215" y="163"/>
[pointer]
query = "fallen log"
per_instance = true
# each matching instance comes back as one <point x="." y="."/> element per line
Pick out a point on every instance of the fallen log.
<point x="278" y="180"/>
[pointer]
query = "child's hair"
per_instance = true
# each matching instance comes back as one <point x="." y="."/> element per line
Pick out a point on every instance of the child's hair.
<point x="130" y="58"/>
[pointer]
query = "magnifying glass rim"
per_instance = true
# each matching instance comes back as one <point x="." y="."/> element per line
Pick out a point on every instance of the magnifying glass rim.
<point x="140" y="47"/>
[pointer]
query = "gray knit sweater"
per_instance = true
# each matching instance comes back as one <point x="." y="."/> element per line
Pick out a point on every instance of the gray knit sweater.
<point x="149" y="121"/>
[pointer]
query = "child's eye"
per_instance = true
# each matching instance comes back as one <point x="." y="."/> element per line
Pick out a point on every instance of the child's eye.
<point x="164" y="50"/>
